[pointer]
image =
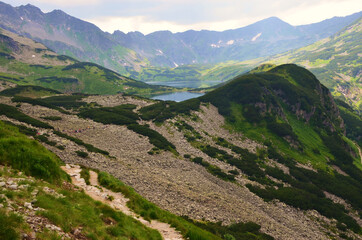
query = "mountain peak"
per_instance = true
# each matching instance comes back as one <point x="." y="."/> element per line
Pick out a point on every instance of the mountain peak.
<point x="30" y="7"/>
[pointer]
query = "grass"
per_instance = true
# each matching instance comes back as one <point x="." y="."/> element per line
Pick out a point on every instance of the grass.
<point x="75" y="210"/>
<point x="9" y="225"/>
<point x="27" y="155"/>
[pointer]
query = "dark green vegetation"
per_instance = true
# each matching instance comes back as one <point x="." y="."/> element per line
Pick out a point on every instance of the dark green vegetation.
<point x="237" y="231"/>
<point x="335" y="61"/>
<point x="14" y="113"/>
<point x="81" y="154"/>
<point x="163" y="110"/>
<point x="352" y="120"/>
<point x="28" y="91"/>
<point x="186" y="227"/>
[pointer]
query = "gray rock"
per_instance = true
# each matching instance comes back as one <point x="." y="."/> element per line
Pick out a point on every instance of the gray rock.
<point x="13" y="187"/>
<point x="2" y="184"/>
<point x="28" y="205"/>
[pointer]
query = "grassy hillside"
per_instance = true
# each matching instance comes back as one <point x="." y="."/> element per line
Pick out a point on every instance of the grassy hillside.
<point x="336" y="61"/>
<point x="296" y="119"/>
<point x="21" y="157"/>
<point x="92" y="219"/>
<point x="25" y="62"/>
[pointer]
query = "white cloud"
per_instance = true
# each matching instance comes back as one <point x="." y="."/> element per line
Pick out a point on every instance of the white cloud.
<point x="310" y="13"/>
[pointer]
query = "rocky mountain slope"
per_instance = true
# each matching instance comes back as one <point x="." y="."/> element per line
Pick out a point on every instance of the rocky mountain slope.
<point x="24" y="61"/>
<point x="267" y="148"/>
<point x="129" y="52"/>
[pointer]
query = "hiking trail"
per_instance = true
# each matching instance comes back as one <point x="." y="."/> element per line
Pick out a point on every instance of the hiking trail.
<point x="99" y="193"/>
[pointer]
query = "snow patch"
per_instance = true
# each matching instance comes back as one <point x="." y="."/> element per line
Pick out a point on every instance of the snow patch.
<point x="22" y="18"/>
<point x="230" y="42"/>
<point x="256" y="37"/>
<point x="214" y="46"/>
<point x="176" y="65"/>
<point x="159" y="52"/>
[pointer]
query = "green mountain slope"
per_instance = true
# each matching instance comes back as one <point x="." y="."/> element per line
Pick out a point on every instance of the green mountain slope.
<point x="295" y="118"/>
<point x="336" y="61"/>
<point x="26" y="62"/>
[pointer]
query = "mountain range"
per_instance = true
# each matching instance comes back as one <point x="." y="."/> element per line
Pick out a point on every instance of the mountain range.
<point x="129" y="52"/>
<point x="24" y="61"/>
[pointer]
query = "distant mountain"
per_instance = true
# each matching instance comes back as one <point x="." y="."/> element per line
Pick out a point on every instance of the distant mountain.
<point x="67" y="35"/>
<point x="126" y="53"/>
<point x="336" y="61"/>
<point x="26" y="62"/>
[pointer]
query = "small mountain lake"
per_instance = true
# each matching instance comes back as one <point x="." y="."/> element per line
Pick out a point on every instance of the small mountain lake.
<point x="177" y="96"/>
<point x="187" y="84"/>
<point x="182" y="96"/>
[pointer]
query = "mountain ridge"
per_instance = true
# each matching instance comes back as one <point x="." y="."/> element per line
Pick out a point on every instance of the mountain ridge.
<point x="129" y="52"/>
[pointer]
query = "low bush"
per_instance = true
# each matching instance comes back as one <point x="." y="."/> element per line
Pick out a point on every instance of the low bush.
<point x="81" y="154"/>
<point x="12" y="112"/>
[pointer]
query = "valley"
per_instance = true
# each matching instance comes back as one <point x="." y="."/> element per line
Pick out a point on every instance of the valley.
<point x="252" y="133"/>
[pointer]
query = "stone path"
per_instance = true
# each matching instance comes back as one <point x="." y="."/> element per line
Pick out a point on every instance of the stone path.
<point x="95" y="191"/>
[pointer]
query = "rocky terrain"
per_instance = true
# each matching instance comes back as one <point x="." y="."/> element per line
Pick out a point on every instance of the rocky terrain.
<point x="172" y="181"/>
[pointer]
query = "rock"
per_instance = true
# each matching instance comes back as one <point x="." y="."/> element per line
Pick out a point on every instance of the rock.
<point x="35" y="192"/>
<point x="2" y="184"/>
<point x="28" y="205"/>
<point x="13" y="187"/>
<point x="32" y="235"/>
<point x="1" y="205"/>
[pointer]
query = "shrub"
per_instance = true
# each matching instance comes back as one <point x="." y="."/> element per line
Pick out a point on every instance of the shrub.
<point x="14" y="113"/>
<point x="81" y="154"/>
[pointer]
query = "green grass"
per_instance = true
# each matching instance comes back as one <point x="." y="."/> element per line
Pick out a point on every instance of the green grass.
<point x="79" y="77"/>
<point x="78" y="209"/>
<point x="9" y="225"/>
<point x="26" y="155"/>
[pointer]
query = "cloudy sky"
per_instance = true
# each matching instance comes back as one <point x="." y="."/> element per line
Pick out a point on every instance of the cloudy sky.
<point x="148" y="16"/>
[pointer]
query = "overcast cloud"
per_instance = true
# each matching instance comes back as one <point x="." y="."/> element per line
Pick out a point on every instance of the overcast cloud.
<point x="180" y="15"/>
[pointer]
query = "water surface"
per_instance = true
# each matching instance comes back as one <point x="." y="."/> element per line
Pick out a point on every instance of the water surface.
<point x="177" y="96"/>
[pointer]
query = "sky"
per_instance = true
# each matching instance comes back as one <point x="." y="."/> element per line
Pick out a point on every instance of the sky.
<point x="148" y="16"/>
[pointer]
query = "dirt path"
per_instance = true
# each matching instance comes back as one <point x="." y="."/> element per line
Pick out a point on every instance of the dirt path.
<point x="119" y="202"/>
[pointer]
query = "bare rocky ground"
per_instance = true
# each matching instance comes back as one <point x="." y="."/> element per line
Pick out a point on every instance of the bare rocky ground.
<point x="175" y="183"/>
